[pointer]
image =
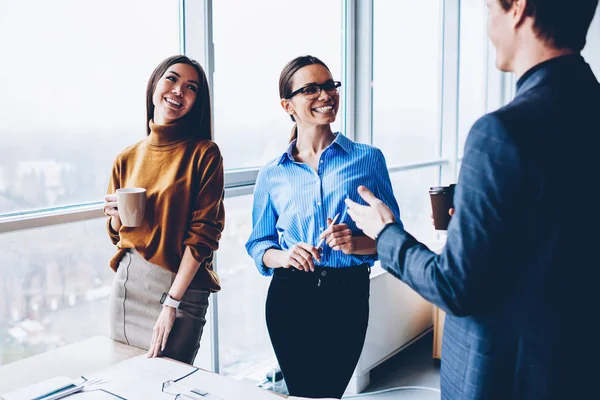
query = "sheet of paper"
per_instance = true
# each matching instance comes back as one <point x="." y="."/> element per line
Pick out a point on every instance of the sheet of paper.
<point x="306" y="398"/>
<point x="141" y="367"/>
<point x="141" y="377"/>
<point x="92" y="395"/>
<point x="54" y="388"/>
<point x="226" y="388"/>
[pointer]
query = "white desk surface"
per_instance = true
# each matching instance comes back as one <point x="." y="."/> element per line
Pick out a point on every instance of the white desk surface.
<point x="88" y="357"/>
<point x="73" y="360"/>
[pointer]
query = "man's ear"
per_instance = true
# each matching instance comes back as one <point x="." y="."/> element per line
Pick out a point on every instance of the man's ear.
<point x="518" y="12"/>
<point x="287" y="106"/>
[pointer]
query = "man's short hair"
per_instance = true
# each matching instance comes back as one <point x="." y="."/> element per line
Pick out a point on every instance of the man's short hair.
<point x="563" y="24"/>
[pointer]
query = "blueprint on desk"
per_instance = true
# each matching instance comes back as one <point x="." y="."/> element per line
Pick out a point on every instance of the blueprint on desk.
<point x="140" y="377"/>
<point x="158" y="378"/>
<point x="93" y="395"/>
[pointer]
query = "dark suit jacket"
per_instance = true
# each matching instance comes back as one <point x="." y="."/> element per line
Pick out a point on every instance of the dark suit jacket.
<point x="519" y="269"/>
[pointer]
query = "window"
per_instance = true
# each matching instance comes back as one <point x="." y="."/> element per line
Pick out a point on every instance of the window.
<point x="406" y="82"/>
<point x="473" y="67"/>
<point x="243" y="338"/>
<point x="54" y="287"/>
<point x="253" y="42"/>
<point x="72" y="97"/>
<point x="73" y="93"/>
<point x="411" y="189"/>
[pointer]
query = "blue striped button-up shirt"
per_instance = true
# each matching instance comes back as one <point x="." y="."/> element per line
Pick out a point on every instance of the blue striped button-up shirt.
<point x="292" y="201"/>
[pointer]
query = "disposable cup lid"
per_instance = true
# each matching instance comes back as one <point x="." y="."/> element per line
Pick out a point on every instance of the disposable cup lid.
<point x="441" y="189"/>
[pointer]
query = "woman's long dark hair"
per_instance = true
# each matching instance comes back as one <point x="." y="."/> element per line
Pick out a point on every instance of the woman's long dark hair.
<point x="198" y="119"/>
<point x="285" y="81"/>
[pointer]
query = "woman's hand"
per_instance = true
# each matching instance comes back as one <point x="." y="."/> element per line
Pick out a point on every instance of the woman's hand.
<point x="111" y="210"/>
<point x="110" y="205"/>
<point x="300" y="256"/>
<point x="161" y="331"/>
<point x="339" y="237"/>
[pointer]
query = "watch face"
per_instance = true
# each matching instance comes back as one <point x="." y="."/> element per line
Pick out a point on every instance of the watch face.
<point x="163" y="298"/>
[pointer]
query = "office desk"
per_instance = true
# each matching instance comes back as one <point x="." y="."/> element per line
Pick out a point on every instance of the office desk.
<point x="90" y="356"/>
<point x="73" y="360"/>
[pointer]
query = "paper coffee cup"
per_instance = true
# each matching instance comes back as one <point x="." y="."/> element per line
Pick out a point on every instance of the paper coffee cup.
<point x="442" y="200"/>
<point x="131" y="203"/>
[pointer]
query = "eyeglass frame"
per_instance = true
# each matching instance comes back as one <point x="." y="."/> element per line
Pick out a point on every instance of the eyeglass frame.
<point x="337" y="85"/>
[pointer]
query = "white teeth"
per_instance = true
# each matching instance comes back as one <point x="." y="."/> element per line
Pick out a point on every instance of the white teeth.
<point x="174" y="102"/>
<point x="323" y="109"/>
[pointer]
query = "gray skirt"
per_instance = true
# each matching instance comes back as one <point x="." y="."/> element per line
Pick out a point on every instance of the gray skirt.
<point x="134" y="307"/>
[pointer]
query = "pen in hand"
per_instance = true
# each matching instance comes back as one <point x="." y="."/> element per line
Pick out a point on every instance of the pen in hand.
<point x="332" y="222"/>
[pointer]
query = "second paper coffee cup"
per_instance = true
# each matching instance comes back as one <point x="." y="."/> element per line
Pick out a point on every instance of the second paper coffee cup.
<point x="442" y="200"/>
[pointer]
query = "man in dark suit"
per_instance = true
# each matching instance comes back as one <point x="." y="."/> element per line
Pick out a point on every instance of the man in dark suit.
<point x="518" y="273"/>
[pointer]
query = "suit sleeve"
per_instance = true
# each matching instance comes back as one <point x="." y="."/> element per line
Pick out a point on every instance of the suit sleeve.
<point x="207" y="218"/>
<point x="470" y="273"/>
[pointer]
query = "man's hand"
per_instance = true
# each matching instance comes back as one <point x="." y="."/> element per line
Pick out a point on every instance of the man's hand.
<point x="372" y="218"/>
<point x="450" y="211"/>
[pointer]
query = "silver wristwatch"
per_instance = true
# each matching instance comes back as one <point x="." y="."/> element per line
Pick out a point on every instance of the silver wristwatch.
<point x="168" y="301"/>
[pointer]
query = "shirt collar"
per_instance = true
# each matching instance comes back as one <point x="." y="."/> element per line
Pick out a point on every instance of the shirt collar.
<point x="340" y="140"/>
<point x="344" y="142"/>
<point x="540" y="72"/>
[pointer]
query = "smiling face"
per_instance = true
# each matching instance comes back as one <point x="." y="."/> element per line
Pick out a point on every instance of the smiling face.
<point x="175" y="93"/>
<point x="321" y="110"/>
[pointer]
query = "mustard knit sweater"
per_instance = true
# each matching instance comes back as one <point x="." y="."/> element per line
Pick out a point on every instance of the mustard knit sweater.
<point x="183" y="178"/>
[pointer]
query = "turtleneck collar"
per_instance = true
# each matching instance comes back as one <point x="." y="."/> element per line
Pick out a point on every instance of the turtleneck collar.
<point x="168" y="134"/>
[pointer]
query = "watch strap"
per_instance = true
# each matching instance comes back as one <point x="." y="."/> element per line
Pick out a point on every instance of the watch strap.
<point x="168" y="301"/>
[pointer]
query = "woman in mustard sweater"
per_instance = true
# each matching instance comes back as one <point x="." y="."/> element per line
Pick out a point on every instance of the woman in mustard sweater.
<point x="163" y="267"/>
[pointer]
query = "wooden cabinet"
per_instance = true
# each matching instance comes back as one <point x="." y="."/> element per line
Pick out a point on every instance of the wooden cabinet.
<point x="438" y="332"/>
<point x="438" y="314"/>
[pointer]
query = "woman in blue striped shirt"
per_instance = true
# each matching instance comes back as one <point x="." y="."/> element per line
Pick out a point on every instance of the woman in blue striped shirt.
<point x="318" y="302"/>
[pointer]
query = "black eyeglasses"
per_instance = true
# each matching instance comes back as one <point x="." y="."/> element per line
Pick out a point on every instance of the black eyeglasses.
<point x="313" y="91"/>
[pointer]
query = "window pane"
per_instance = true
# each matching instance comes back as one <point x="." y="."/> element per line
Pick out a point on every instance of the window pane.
<point x="53" y="279"/>
<point x="473" y="67"/>
<point x="406" y="87"/>
<point x="72" y="93"/>
<point x="252" y="45"/>
<point x="54" y="289"/>
<point x="412" y="193"/>
<point x="243" y="337"/>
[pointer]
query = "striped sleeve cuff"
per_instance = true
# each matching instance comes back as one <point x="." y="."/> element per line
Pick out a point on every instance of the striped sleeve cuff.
<point x="258" y="251"/>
